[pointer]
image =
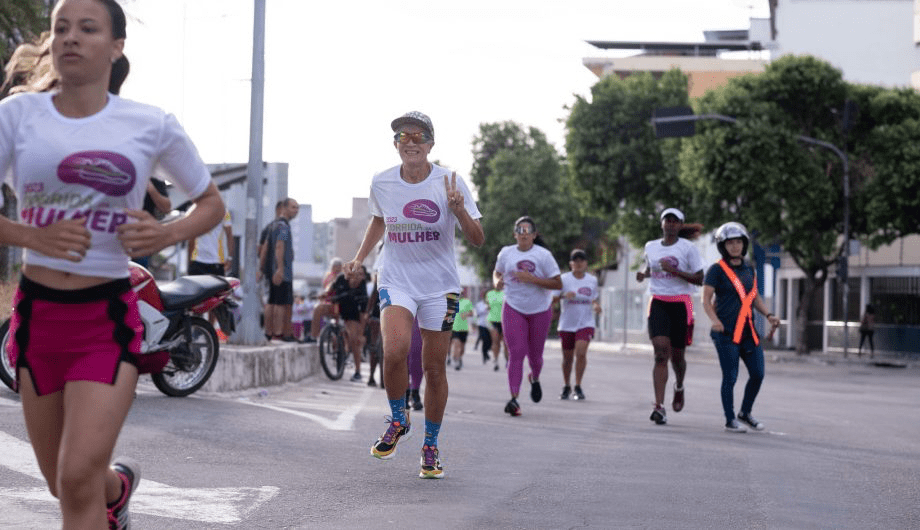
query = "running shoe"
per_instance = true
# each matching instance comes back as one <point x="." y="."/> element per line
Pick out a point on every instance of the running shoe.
<point x="458" y="364"/>
<point x="578" y="393"/>
<point x="746" y="417"/>
<point x="496" y="366"/>
<point x="431" y="464"/>
<point x="416" y="400"/>
<point x="221" y="336"/>
<point x="513" y="408"/>
<point x="659" y="416"/>
<point x="356" y="378"/>
<point x="678" y="403"/>
<point x="130" y="474"/>
<point x="372" y="382"/>
<point x="536" y="393"/>
<point x="386" y="444"/>
<point x="566" y="392"/>
<point x="734" y="426"/>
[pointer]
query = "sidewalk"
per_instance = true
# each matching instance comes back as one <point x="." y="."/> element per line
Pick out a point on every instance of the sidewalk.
<point x="776" y="355"/>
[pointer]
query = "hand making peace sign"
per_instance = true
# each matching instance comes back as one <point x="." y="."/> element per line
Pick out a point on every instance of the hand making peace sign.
<point x="454" y="196"/>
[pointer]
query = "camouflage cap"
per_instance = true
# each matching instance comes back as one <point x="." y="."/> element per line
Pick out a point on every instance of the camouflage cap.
<point x="415" y="118"/>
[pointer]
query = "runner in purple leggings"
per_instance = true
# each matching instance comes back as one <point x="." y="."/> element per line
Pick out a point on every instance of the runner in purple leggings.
<point x="528" y="273"/>
<point x="415" y="370"/>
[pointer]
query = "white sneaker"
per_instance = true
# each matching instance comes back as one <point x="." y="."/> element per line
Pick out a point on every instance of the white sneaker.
<point x="734" y="426"/>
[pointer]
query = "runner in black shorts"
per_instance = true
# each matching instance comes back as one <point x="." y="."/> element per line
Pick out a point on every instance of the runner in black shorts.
<point x="350" y="293"/>
<point x="675" y="269"/>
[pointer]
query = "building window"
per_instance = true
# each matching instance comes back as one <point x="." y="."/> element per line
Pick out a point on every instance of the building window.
<point x="896" y="300"/>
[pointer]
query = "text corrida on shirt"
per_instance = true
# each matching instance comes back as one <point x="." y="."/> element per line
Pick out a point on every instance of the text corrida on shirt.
<point x="411" y="233"/>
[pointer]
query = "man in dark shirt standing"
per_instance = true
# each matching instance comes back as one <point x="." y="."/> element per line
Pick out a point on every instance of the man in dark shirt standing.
<point x="264" y="274"/>
<point x="281" y="286"/>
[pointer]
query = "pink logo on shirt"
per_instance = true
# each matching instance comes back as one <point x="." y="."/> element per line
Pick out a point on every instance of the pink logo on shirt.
<point x="423" y="210"/>
<point x="670" y="260"/>
<point x="526" y="265"/>
<point x="105" y="172"/>
<point x="585" y="291"/>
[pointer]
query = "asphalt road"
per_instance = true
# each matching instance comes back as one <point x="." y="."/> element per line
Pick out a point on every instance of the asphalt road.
<point x="841" y="450"/>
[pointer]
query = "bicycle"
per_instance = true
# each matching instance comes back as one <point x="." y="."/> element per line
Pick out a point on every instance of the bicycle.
<point x="332" y="352"/>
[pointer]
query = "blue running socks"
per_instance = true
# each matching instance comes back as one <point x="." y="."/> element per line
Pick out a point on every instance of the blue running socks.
<point x="398" y="408"/>
<point x="431" y="433"/>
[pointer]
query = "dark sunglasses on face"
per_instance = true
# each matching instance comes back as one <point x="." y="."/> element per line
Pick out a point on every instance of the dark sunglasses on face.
<point x="418" y="138"/>
<point x="523" y="230"/>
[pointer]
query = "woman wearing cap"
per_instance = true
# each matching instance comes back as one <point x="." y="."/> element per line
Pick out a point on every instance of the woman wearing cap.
<point x="418" y="206"/>
<point x="579" y="304"/>
<point x="528" y="273"/>
<point x="674" y="267"/>
<point x="732" y="283"/>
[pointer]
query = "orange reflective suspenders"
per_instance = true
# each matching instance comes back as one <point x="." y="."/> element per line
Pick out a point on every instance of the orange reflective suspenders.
<point x="747" y="302"/>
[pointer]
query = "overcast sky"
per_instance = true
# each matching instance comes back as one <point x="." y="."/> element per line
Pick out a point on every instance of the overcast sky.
<point x="337" y="73"/>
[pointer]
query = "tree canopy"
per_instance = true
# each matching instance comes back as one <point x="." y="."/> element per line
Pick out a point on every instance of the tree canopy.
<point x="517" y="172"/>
<point x="628" y="176"/>
<point x="757" y="171"/>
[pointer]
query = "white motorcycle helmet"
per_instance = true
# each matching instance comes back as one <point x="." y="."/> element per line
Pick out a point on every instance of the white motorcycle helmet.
<point x="728" y="231"/>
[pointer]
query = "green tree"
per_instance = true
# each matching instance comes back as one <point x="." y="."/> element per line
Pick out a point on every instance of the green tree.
<point x="888" y="162"/>
<point x="20" y="21"/>
<point x="518" y="172"/>
<point x="789" y="192"/>
<point x="628" y="176"/>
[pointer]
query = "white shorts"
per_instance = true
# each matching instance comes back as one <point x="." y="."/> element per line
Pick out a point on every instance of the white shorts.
<point x="433" y="312"/>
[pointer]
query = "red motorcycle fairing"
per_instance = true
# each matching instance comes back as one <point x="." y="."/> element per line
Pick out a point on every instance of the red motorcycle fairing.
<point x="145" y="286"/>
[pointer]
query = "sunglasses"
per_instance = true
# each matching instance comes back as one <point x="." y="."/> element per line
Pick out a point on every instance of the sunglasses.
<point x="418" y="138"/>
<point x="523" y="230"/>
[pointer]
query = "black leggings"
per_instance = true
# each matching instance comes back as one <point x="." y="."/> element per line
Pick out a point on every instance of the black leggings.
<point x="862" y="338"/>
<point x="485" y="337"/>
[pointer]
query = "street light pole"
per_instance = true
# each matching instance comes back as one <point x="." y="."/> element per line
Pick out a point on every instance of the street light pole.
<point x="676" y="116"/>
<point x="250" y="332"/>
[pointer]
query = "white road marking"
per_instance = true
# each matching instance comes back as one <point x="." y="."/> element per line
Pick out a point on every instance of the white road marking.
<point x="344" y="422"/>
<point x="206" y="505"/>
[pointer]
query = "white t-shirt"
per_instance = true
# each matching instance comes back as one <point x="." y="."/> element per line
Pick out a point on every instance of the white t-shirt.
<point x="578" y="312"/>
<point x="420" y="228"/>
<point x="482" y="313"/>
<point x="94" y="167"/>
<point x="211" y="247"/>
<point x="300" y="312"/>
<point x="683" y="255"/>
<point x="527" y="298"/>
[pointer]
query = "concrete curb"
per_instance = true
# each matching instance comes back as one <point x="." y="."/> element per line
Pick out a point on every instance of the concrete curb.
<point x="245" y="367"/>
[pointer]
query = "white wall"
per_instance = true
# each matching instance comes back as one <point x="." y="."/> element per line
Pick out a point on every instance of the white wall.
<point x="871" y="41"/>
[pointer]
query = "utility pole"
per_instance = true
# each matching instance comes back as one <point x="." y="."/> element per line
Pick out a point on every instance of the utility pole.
<point x="250" y="332"/>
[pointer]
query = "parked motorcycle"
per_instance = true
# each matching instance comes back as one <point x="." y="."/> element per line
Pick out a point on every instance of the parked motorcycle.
<point x="180" y="348"/>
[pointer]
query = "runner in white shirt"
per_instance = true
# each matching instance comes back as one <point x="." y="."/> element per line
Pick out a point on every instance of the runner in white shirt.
<point x="579" y="303"/>
<point x="417" y="206"/>
<point x="482" y="321"/>
<point x="79" y="158"/>
<point x="528" y="273"/>
<point x="675" y="268"/>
